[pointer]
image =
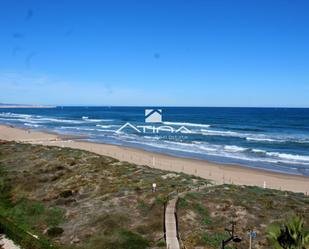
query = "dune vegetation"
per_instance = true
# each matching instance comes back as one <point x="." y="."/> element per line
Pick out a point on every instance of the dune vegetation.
<point x="63" y="198"/>
<point x="78" y="199"/>
<point x="203" y="216"/>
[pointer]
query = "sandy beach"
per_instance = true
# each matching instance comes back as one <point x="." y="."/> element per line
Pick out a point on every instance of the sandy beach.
<point x="218" y="173"/>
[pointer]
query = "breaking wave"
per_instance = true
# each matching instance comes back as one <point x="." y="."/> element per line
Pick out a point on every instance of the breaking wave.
<point x="186" y="124"/>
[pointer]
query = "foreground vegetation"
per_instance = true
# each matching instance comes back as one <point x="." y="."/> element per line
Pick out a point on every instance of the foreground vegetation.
<point x="203" y="216"/>
<point x="290" y="234"/>
<point x="77" y="199"/>
<point x="63" y="198"/>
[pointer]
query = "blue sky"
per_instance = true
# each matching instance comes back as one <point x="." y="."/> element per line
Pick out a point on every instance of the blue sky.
<point x="155" y="52"/>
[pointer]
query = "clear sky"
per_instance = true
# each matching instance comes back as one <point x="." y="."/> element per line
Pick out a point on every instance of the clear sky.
<point x="155" y="52"/>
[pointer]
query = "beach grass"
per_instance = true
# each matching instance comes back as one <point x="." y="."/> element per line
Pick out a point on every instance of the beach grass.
<point x="72" y="198"/>
<point x="80" y="199"/>
<point x="203" y="216"/>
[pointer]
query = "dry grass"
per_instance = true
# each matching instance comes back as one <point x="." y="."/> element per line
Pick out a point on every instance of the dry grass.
<point x="103" y="201"/>
<point x="204" y="215"/>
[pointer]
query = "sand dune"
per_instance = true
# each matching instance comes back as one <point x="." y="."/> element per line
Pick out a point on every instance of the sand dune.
<point x="219" y="173"/>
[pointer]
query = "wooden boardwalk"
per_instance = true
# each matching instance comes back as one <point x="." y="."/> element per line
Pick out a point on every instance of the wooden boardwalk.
<point x="170" y="225"/>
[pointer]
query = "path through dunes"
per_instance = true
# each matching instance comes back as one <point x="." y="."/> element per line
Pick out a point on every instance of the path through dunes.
<point x="170" y="225"/>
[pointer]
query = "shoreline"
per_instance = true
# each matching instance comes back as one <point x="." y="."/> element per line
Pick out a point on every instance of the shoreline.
<point x="219" y="173"/>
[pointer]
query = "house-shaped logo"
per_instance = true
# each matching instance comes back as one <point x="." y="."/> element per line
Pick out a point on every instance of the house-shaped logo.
<point x="153" y="115"/>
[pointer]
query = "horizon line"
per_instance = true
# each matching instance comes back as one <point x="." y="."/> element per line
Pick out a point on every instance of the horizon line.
<point x="163" y="106"/>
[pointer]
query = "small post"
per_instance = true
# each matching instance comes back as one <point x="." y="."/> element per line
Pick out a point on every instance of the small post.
<point x="252" y="235"/>
<point x="154" y="187"/>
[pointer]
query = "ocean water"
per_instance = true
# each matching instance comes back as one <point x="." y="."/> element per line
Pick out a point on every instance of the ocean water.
<point x="275" y="139"/>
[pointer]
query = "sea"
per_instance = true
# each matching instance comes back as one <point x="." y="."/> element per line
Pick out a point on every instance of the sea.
<point x="274" y="139"/>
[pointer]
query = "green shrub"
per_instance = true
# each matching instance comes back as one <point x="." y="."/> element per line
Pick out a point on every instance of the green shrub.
<point x="30" y="213"/>
<point x="54" y="231"/>
<point x="182" y="202"/>
<point x="214" y="240"/>
<point x="161" y="243"/>
<point x="203" y="212"/>
<point x="120" y="239"/>
<point x="130" y="240"/>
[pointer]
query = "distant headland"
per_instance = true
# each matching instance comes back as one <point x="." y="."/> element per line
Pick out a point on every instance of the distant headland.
<point x="25" y="106"/>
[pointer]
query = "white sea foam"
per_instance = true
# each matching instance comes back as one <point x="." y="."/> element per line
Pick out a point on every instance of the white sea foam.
<point x="281" y="139"/>
<point x="39" y="119"/>
<point x="11" y="119"/>
<point x="96" y="120"/>
<point x="186" y="124"/>
<point x="16" y="115"/>
<point x="77" y="128"/>
<point x="258" y="151"/>
<point x="179" y="143"/>
<point x="289" y="156"/>
<point x="263" y="139"/>
<point x="221" y="133"/>
<point x="234" y="148"/>
<point x="254" y="137"/>
<point x="152" y="138"/>
<point x="105" y="126"/>
<point x="32" y="125"/>
<point x="105" y="130"/>
<point x="228" y="151"/>
<point x="57" y="120"/>
<point x="204" y="148"/>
